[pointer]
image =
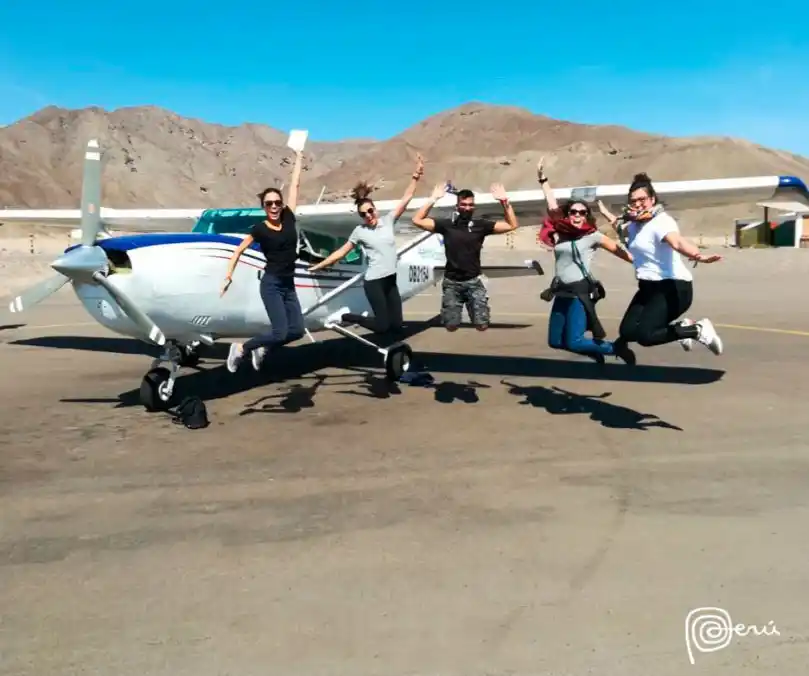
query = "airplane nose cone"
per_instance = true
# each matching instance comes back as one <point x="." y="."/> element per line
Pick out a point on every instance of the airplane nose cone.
<point x="81" y="262"/>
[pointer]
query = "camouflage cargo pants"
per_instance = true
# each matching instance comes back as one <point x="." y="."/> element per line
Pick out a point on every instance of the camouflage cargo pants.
<point x="472" y="294"/>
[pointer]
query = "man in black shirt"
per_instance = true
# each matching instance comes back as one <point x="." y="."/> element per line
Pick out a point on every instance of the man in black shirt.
<point x="463" y="242"/>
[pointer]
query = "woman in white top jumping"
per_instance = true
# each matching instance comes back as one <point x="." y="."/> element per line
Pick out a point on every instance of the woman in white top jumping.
<point x="665" y="284"/>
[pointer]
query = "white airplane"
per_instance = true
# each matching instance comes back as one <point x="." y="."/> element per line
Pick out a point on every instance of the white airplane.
<point x="163" y="288"/>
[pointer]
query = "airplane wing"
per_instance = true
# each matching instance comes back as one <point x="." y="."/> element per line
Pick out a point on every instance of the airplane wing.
<point x="138" y="220"/>
<point x="339" y="219"/>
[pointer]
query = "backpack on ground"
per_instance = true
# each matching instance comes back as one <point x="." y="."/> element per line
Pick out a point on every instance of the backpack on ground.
<point x="192" y="413"/>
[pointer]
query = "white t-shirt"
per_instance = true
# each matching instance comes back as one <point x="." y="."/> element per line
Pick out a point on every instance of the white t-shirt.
<point x="654" y="259"/>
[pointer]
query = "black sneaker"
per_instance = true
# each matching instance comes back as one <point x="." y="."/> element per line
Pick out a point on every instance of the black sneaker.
<point x="623" y="352"/>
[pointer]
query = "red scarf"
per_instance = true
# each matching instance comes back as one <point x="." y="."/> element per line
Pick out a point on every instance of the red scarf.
<point x="556" y="223"/>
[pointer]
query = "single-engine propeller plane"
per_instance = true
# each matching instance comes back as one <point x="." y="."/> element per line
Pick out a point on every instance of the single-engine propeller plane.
<point x="163" y="287"/>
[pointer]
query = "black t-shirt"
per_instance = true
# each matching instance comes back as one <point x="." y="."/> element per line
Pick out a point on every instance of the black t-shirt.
<point x="278" y="246"/>
<point x="462" y="245"/>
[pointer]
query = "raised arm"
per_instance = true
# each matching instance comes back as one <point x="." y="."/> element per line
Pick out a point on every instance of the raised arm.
<point x="550" y="199"/>
<point x="510" y="223"/>
<point x="234" y="259"/>
<point x="333" y="257"/>
<point x="609" y="244"/>
<point x="611" y="218"/>
<point x="681" y="245"/>
<point x="411" y="189"/>
<point x="420" y="219"/>
<point x="294" y="183"/>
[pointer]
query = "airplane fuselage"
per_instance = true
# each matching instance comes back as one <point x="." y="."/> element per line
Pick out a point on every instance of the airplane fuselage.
<point x="177" y="279"/>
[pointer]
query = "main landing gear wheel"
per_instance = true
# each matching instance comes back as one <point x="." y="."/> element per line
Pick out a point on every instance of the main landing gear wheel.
<point x="397" y="361"/>
<point x="156" y="390"/>
<point x="397" y="357"/>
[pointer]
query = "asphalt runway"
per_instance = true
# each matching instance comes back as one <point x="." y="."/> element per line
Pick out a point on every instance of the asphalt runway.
<point x="527" y="513"/>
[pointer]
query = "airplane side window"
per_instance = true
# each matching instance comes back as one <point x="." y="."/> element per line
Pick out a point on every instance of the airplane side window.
<point x="323" y="245"/>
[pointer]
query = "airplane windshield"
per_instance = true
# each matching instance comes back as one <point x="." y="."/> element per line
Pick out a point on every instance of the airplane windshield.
<point x="240" y="221"/>
<point x="228" y="221"/>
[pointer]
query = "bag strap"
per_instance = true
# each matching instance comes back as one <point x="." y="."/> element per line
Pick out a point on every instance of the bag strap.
<point x="577" y="259"/>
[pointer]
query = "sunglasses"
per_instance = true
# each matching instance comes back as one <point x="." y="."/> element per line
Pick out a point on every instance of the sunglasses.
<point x="368" y="212"/>
<point x="578" y="212"/>
<point x="274" y="203"/>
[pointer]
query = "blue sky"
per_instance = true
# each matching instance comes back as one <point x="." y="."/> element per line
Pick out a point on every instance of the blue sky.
<point x="363" y="68"/>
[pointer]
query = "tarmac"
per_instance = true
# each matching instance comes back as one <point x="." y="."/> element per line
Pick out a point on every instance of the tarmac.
<point x="529" y="512"/>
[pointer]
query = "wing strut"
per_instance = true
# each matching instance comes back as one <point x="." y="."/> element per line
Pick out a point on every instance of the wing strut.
<point x="418" y="239"/>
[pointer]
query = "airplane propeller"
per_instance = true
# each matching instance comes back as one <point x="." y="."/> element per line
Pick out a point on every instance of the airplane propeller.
<point x="87" y="262"/>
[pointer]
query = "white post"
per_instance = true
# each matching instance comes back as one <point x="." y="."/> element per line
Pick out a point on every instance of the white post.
<point x="320" y="196"/>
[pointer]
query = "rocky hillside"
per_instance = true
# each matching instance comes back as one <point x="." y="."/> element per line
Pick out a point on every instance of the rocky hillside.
<point x="156" y="158"/>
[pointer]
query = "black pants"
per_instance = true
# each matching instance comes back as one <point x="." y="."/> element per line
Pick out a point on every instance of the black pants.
<point x="283" y="310"/>
<point x="648" y="318"/>
<point x="386" y="304"/>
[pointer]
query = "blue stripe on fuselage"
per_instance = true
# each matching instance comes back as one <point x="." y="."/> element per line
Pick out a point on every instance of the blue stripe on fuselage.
<point x="130" y="242"/>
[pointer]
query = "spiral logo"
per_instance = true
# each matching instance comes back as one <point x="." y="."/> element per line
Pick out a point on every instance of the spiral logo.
<point x="710" y="629"/>
<point x="707" y="630"/>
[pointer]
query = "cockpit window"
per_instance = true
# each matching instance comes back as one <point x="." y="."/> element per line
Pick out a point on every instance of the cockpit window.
<point x="240" y="221"/>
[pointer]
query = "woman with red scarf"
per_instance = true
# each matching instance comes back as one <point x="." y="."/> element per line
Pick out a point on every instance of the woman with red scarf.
<point x="571" y="232"/>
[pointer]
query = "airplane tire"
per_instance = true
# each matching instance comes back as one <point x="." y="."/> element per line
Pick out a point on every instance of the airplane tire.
<point x="397" y="361"/>
<point x="151" y="390"/>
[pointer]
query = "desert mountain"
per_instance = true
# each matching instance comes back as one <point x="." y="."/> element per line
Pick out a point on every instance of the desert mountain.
<point x="155" y="158"/>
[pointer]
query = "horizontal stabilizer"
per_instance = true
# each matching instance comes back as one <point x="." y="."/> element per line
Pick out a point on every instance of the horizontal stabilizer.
<point x="529" y="268"/>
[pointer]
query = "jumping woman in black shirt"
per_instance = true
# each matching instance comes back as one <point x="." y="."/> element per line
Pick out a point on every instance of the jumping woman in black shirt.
<point x="277" y="236"/>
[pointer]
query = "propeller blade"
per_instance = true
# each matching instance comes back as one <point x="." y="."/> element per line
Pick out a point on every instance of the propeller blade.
<point x="37" y="293"/>
<point x="91" y="194"/>
<point x="140" y="318"/>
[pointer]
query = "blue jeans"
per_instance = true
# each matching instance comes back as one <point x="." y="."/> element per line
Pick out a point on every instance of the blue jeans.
<point x="284" y="310"/>
<point x="566" y="329"/>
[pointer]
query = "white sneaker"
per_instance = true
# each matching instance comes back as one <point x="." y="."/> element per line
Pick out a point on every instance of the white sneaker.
<point x="709" y="337"/>
<point x="257" y="356"/>
<point x="687" y="343"/>
<point x="336" y="318"/>
<point x="234" y="358"/>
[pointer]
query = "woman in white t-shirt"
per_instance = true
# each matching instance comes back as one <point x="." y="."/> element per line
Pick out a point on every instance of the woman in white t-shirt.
<point x="665" y="284"/>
